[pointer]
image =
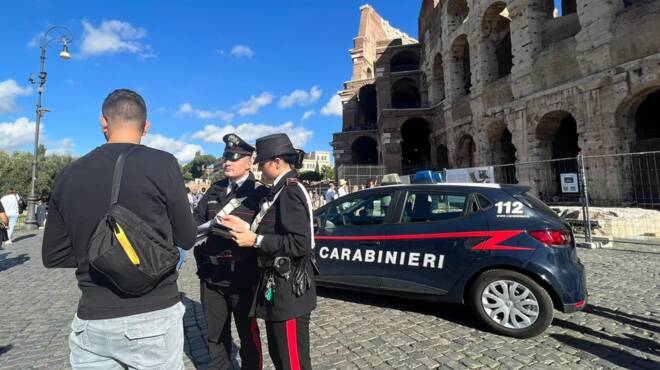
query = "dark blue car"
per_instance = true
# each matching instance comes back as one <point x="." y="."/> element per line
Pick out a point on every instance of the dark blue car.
<point x="495" y="247"/>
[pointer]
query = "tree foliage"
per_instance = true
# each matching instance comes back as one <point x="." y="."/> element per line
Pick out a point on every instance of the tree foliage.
<point x="195" y="168"/>
<point x="310" y="176"/>
<point x="328" y="173"/>
<point x="16" y="171"/>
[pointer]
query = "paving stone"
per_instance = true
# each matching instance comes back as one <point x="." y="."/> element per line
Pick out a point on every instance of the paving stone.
<point x="619" y="329"/>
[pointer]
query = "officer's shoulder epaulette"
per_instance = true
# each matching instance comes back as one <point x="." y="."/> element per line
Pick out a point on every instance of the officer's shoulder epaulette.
<point x="291" y="181"/>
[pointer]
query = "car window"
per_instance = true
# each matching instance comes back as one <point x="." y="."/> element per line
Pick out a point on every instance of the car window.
<point x="538" y="205"/>
<point x="483" y="201"/>
<point x="367" y="210"/>
<point x="424" y="206"/>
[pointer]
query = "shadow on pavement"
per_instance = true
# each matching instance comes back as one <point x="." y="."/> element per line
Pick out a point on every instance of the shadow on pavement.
<point x="608" y="353"/>
<point x="7" y="263"/>
<point x="195" y="332"/>
<point x="633" y="341"/>
<point x="23" y="237"/>
<point x="624" y="318"/>
<point x="5" y="349"/>
<point x="455" y="313"/>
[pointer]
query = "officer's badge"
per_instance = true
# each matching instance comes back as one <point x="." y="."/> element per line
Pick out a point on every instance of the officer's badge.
<point x="233" y="140"/>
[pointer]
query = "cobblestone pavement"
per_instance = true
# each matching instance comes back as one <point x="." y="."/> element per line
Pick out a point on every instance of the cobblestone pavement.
<point x="619" y="329"/>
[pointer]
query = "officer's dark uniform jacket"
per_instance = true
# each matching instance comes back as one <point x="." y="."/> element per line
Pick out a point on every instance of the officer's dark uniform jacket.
<point x="220" y="261"/>
<point x="286" y="232"/>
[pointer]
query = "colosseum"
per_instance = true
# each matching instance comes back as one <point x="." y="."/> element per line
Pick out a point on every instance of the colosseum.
<point x="494" y="82"/>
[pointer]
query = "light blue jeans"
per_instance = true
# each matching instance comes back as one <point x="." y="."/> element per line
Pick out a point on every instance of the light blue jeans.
<point x="182" y="258"/>
<point x="152" y="340"/>
<point x="12" y="224"/>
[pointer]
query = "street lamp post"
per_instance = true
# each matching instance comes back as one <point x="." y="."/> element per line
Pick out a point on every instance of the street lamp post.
<point x="65" y="40"/>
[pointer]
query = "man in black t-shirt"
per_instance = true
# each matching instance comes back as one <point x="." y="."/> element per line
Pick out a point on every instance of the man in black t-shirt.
<point x="111" y="329"/>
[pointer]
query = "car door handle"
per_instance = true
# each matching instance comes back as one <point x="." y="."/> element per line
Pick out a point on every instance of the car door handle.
<point x="374" y="243"/>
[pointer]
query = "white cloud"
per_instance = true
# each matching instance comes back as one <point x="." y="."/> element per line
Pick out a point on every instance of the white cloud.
<point x="255" y="103"/>
<point x="61" y="147"/>
<point x="36" y="40"/>
<point x="188" y="109"/>
<point x="14" y="135"/>
<point x="112" y="37"/>
<point x="251" y="131"/>
<point x="9" y="91"/>
<point x="242" y="51"/>
<point x="301" y="97"/>
<point x="307" y="115"/>
<point x="183" y="151"/>
<point x="333" y="108"/>
<point x="20" y="133"/>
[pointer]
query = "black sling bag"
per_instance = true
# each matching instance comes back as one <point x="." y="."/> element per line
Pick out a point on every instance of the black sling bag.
<point x="126" y="250"/>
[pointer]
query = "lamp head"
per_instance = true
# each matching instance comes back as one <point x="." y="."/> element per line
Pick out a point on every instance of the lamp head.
<point x="64" y="54"/>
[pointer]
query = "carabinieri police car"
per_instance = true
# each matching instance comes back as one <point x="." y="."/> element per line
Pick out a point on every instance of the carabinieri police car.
<point x="494" y="247"/>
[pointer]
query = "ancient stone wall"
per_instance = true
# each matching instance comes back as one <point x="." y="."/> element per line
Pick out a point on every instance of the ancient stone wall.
<point x="499" y="82"/>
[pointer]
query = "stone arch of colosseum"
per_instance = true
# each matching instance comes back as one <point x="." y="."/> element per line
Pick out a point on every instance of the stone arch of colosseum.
<point x="364" y="150"/>
<point x="501" y="151"/>
<point x="438" y="83"/>
<point x="415" y="144"/>
<point x="404" y="61"/>
<point x="405" y="94"/>
<point x="460" y="73"/>
<point x="495" y="51"/>
<point x="457" y="13"/>
<point x="556" y="141"/>
<point x="637" y="118"/>
<point x="367" y="106"/>
<point x="465" y="151"/>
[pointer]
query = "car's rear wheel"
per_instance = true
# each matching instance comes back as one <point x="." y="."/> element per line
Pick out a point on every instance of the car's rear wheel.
<point x="511" y="303"/>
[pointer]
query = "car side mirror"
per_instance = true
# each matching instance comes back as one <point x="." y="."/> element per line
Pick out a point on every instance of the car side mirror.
<point x="317" y="222"/>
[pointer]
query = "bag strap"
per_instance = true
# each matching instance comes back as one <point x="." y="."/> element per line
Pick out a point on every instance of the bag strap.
<point x="117" y="175"/>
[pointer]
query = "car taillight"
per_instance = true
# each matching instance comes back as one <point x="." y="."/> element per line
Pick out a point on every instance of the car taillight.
<point x="555" y="238"/>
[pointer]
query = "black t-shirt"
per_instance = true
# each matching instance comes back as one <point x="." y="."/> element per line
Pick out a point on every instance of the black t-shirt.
<point x="151" y="187"/>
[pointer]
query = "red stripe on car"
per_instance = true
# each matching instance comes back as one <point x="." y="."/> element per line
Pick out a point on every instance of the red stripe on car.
<point x="491" y="243"/>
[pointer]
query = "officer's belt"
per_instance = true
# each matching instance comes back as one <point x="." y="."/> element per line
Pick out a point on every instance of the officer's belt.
<point x="219" y="260"/>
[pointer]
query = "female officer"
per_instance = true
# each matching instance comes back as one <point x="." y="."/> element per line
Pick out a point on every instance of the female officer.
<point x="282" y="233"/>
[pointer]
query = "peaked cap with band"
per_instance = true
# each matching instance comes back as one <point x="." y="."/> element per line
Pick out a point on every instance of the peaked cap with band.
<point x="235" y="147"/>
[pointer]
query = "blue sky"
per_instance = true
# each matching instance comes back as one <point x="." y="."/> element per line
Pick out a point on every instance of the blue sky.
<point x="204" y="68"/>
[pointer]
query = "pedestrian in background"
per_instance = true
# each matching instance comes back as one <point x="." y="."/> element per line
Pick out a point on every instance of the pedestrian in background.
<point x="4" y="221"/>
<point x="111" y="329"/>
<point x="10" y="203"/>
<point x="331" y="194"/>
<point x="343" y="188"/>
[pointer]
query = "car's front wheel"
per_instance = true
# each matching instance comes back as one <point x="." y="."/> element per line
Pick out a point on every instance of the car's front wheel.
<point x="511" y="303"/>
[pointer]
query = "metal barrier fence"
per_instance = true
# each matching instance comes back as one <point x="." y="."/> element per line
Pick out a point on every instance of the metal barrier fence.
<point x="358" y="175"/>
<point x="613" y="180"/>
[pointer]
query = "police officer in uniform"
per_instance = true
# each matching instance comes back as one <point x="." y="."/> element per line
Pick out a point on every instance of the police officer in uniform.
<point x="282" y="235"/>
<point x="229" y="274"/>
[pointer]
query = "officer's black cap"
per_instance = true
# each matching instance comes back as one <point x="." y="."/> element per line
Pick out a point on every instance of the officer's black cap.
<point x="235" y="147"/>
<point x="272" y="146"/>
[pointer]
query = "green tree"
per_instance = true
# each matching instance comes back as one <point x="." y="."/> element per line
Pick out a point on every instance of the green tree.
<point x="310" y="176"/>
<point x="328" y="173"/>
<point x="16" y="171"/>
<point x="196" y="168"/>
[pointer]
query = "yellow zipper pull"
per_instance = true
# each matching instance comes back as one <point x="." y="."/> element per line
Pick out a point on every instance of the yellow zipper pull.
<point x="126" y="245"/>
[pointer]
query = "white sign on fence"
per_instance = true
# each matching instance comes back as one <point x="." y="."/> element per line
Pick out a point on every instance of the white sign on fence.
<point x="569" y="183"/>
<point x="475" y="174"/>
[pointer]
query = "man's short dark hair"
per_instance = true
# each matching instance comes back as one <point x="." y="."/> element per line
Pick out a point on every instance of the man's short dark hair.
<point x="125" y="105"/>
